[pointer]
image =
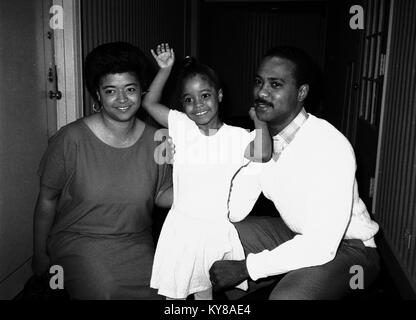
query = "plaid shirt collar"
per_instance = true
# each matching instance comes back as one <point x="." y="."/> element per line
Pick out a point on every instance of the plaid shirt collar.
<point x="284" y="137"/>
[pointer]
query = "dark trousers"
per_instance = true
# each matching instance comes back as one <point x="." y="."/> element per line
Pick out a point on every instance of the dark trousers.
<point x="332" y="280"/>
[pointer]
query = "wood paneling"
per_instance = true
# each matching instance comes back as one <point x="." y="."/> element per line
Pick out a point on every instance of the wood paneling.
<point x="396" y="192"/>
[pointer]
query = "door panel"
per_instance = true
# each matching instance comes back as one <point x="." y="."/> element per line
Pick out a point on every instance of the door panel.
<point x="396" y="186"/>
<point x="23" y="133"/>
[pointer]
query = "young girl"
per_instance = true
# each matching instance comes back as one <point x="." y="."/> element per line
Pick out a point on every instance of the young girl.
<point x="208" y="152"/>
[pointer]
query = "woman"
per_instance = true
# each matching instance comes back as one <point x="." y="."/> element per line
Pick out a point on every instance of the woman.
<point x="99" y="183"/>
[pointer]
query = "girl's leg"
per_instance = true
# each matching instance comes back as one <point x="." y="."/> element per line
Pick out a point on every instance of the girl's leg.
<point x="204" y="295"/>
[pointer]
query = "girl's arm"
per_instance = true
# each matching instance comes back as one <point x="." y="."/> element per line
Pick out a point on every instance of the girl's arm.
<point x="260" y="149"/>
<point x="165" y="58"/>
<point x="44" y="216"/>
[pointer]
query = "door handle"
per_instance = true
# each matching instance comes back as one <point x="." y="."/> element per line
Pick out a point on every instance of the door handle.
<point x="54" y="94"/>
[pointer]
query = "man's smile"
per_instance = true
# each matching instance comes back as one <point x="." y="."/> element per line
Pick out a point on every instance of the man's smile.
<point x="262" y="105"/>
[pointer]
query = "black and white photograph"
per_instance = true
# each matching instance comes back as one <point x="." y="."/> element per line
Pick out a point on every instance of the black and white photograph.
<point x="210" y="155"/>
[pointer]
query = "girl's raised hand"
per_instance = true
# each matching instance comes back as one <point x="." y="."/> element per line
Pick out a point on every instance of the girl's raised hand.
<point x="164" y="56"/>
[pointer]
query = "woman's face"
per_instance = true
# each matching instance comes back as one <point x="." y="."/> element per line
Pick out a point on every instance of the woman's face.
<point x="120" y="95"/>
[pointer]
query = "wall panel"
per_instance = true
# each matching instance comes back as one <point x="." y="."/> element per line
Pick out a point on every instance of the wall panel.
<point x="234" y="41"/>
<point x="396" y="196"/>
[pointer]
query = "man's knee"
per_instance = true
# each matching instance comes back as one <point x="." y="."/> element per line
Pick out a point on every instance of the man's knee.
<point x="293" y="294"/>
<point x="295" y="286"/>
<point x="260" y="233"/>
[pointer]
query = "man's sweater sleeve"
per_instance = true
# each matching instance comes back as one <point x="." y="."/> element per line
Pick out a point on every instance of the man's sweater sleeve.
<point x="244" y="191"/>
<point x="328" y="205"/>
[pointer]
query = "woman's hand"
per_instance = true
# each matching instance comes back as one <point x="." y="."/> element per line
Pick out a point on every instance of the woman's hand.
<point x="170" y="150"/>
<point x="164" y="56"/>
<point x="40" y="263"/>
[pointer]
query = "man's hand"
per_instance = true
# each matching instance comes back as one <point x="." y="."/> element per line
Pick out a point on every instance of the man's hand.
<point x="228" y="273"/>
<point x="164" y="56"/>
<point x="252" y="113"/>
<point x="257" y="122"/>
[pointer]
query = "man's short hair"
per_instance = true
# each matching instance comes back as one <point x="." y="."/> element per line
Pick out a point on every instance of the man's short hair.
<point x="303" y="73"/>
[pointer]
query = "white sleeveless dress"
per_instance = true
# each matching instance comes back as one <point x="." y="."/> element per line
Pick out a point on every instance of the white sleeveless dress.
<point x="197" y="232"/>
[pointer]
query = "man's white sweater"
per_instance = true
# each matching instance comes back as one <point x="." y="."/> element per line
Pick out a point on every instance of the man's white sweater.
<point x="313" y="186"/>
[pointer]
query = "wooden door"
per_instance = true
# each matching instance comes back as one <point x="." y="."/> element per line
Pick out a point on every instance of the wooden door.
<point x="27" y="119"/>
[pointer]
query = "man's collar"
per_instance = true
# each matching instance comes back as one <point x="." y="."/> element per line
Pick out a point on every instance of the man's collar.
<point x="286" y="136"/>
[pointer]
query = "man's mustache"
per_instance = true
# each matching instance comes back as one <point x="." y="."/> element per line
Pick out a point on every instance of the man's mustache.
<point x="262" y="101"/>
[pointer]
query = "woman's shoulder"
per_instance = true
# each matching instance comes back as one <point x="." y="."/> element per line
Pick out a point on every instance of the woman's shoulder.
<point x="70" y="132"/>
<point x="152" y="135"/>
<point x="150" y="130"/>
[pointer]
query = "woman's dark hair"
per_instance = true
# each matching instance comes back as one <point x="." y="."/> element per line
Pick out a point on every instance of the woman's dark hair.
<point x="115" y="57"/>
<point x="192" y="68"/>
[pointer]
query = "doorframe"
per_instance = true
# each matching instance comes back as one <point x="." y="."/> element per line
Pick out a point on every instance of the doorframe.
<point x="68" y="61"/>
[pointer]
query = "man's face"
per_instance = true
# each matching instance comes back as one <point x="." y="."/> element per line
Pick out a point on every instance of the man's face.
<point x="275" y="92"/>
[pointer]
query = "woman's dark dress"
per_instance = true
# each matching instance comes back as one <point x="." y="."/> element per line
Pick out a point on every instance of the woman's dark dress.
<point x="102" y="233"/>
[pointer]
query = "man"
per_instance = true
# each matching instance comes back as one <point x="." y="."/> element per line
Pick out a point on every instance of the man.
<point x="324" y="235"/>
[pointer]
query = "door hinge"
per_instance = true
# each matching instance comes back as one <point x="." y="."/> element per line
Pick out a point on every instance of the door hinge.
<point x="53" y="77"/>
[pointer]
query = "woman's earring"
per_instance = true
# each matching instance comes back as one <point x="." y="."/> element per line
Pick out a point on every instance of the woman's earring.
<point x="95" y="108"/>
